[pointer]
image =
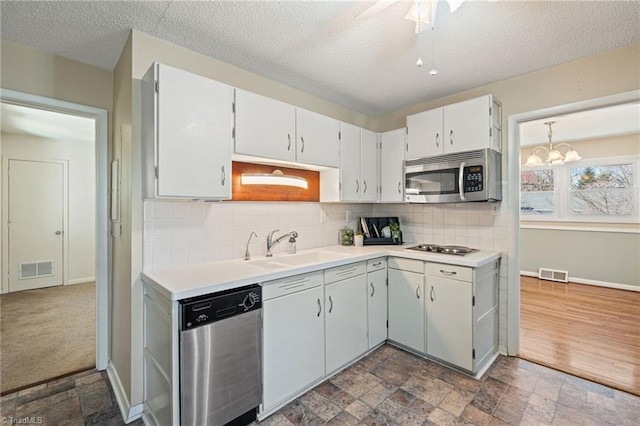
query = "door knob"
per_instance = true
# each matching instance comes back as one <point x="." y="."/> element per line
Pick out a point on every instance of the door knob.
<point x="58" y="232"/>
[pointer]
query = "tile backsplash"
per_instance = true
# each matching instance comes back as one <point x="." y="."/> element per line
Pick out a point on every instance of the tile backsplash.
<point x="183" y="233"/>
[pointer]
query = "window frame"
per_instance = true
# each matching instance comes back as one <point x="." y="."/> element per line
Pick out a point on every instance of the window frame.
<point x="562" y="192"/>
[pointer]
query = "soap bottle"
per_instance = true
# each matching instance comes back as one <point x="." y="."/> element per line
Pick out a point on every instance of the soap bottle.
<point x="291" y="247"/>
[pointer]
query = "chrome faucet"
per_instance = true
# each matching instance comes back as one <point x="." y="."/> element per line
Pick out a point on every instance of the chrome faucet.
<point x="271" y="243"/>
<point x="247" y="255"/>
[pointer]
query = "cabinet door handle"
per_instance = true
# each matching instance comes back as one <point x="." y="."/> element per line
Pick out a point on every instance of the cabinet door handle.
<point x="451" y="137"/>
<point x="432" y="294"/>
<point x="319" y="308"/>
<point x="448" y="273"/>
<point x="373" y="290"/>
<point x="223" y="177"/>
<point x="377" y="264"/>
<point x="289" y="138"/>
<point x="418" y="291"/>
<point x="330" y="304"/>
<point x="399" y="188"/>
<point x="302" y="140"/>
<point x="357" y="186"/>
<point x="437" y="140"/>
<point x="364" y="191"/>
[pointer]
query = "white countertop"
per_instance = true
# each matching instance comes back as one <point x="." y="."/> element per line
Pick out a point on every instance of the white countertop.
<point x="183" y="282"/>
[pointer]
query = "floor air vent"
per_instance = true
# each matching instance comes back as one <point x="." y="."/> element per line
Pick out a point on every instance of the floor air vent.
<point x="553" y="275"/>
<point x="36" y="269"/>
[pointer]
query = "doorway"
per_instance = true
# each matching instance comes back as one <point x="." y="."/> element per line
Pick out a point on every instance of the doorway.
<point x="47" y="168"/>
<point x="552" y="319"/>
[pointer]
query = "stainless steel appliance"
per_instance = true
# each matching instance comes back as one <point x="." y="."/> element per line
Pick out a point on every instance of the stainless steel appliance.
<point x="435" y="248"/>
<point x="220" y="357"/>
<point x="454" y="178"/>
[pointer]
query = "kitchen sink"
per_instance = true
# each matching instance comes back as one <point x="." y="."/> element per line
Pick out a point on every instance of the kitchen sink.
<point x="289" y="260"/>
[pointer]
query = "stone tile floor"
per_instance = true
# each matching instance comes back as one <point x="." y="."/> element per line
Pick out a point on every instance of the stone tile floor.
<point x="393" y="387"/>
<point x="389" y="387"/>
<point x="81" y="399"/>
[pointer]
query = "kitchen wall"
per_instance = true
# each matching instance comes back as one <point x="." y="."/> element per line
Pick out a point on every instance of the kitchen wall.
<point x="81" y="160"/>
<point x="605" y="257"/>
<point x="182" y="233"/>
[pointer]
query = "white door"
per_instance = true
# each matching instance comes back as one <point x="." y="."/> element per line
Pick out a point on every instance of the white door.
<point x="264" y="127"/>
<point x="346" y="321"/>
<point x="194" y="135"/>
<point x="391" y="172"/>
<point x="467" y="125"/>
<point x="369" y="166"/>
<point x="36" y="219"/>
<point x="449" y="321"/>
<point x="318" y="139"/>
<point x="293" y="344"/>
<point x="406" y="309"/>
<point x="377" y="295"/>
<point x="350" y="183"/>
<point x="424" y="134"/>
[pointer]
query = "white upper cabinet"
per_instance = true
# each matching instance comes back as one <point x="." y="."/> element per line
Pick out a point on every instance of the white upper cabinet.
<point x="470" y="125"/>
<point x="424" y="135"/>
<point x="391" y="173"/>
<point x="464" y="126"/>
<point x="369" y="166"/>
<point x="358" y="164"/>
<point x="317" y="139"/>
<point x="187" y="123"/>
<point x="350" y="180"/>
<point x="264" y="127"/>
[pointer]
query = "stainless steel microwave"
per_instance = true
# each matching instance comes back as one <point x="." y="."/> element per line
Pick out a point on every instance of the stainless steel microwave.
<point x="454" y="178"/>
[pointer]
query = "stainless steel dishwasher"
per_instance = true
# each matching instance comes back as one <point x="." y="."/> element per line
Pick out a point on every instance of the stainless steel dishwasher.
<point x="220" y="357"/>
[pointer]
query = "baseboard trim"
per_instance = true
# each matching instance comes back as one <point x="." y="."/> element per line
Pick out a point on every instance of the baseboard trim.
<point x="590" y="282"/>
<point x="129" y="413"/>
<point x="82" y="280"/>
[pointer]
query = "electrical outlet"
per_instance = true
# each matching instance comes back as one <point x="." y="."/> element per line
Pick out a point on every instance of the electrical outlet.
<point x="348" y="216"/>
<point x="323" y="216"/>
<point x="495" y="210"/>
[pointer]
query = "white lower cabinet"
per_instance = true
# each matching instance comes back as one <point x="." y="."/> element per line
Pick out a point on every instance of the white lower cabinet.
<point x="377" y="300"/>
<point x="449" y="324"/>
<point x="462" y="314"/>
<point x="345" y="321"/>
<point x="293" y="336"/>
<point x="406" y="303"/>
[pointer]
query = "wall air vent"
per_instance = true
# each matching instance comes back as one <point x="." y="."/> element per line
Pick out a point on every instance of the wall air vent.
<point x="553" y="275"/>
<point x="36" y="270"/>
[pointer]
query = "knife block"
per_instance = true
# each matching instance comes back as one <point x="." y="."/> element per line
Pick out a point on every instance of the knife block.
<point x="371" y="224"/>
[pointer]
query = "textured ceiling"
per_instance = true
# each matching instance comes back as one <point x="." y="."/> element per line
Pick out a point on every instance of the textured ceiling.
<point x="320" y="47"/>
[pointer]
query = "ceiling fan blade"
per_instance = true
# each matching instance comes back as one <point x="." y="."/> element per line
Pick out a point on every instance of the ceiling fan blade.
<point x="375" y="8"/>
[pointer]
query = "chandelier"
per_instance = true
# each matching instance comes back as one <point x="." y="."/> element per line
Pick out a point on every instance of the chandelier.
<point x="553" y="155"/>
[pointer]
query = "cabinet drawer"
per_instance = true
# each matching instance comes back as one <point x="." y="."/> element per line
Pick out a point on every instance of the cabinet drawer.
<point x="276" y="288"/>
<point x="454" y="272"/>
<point x="376" y="264"/>
<point x="343" y="272"/>
<point x="410" y="265"/>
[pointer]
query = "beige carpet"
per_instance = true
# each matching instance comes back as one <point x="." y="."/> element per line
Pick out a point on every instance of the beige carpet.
<point x="46" y="333"/>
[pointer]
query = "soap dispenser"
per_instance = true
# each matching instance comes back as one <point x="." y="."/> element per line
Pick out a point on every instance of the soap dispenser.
<point x="291" y="247"/>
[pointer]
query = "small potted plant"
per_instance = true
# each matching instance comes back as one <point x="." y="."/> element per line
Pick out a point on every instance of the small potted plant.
<point x="396" y="234"/>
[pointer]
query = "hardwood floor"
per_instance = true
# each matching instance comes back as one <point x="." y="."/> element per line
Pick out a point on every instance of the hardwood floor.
<point x="588" y="331"/>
